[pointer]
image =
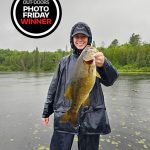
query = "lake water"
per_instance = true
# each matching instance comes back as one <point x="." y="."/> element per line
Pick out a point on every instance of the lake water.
<point x="22" y="96"/>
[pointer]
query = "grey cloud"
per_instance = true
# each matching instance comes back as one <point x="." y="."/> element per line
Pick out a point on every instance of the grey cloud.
<point x="108" y="20"/>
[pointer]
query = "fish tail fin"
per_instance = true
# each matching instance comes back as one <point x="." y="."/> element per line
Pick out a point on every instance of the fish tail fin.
<point x="65" y="117"/>
<point x="73" y="119"/>
<point x="69" y="117"/>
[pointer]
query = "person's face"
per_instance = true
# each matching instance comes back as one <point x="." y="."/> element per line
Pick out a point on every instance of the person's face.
<point x="80" y="40"/>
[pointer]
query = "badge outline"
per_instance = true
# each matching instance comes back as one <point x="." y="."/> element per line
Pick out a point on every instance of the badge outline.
<point x="36" y="35"/>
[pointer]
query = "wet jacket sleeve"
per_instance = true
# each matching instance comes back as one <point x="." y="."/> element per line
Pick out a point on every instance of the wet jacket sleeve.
<point x="108" y="73"/>
<point x="48" y="107"/>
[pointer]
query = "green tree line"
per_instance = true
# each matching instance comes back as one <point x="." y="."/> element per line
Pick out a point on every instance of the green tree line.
<point x="132" y="56"/>
<point x="29" y="61"/>
<point x="129" y="57"/>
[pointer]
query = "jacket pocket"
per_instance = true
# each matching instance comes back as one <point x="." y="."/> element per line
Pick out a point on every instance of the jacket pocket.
<point x="95" y="122"/>
<point x="63" y="127"/>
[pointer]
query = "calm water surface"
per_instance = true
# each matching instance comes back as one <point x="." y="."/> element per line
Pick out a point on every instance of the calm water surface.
<point x="22" y="96"/>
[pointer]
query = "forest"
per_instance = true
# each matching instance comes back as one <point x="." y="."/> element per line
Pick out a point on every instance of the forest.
<point x="133" y="56"/>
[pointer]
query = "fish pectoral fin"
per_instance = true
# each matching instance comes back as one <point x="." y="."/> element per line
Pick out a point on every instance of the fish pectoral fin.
<point x="98" y="75"/>
<point x="68" y="93"/>
<point x="86" y="102"/>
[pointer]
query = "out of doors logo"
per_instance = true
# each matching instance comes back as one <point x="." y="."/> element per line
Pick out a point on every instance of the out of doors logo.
<point x="36" y="18"/>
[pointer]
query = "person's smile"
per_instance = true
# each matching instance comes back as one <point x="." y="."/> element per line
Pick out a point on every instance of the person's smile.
<point x="80" y="40"/>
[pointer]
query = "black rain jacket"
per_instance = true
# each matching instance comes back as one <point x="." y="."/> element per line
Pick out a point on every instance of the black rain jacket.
<point x="92" y="119"/>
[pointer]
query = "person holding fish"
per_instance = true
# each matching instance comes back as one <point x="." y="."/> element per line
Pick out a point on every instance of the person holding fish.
<point x="75" y="95"/>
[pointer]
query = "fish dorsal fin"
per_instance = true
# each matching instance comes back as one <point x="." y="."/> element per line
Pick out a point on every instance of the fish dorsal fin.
<point x="98" y="75"/>
<point x="68" y="93"/>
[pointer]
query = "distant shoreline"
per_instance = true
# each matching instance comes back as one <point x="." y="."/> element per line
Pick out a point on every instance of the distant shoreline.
<point x="120" y="72"/>
<point x="133" y="73"/>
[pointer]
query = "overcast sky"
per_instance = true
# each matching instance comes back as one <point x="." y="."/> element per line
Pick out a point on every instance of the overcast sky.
<point x="108" y="19"/>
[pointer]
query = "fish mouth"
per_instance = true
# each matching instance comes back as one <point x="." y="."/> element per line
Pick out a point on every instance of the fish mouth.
<point x="89" y="61"/>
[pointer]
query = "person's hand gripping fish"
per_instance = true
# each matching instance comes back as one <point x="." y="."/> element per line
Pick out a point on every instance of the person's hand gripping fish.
<point x="99" y="59"/>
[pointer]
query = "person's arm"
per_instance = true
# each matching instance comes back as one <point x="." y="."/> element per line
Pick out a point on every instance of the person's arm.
<point x="48" y="107"/>
<point x="107" y="72"/>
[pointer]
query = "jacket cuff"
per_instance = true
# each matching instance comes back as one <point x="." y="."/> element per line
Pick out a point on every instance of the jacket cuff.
<point x="106" y="64"/>
<point x="47" y="112"/>
<point x="45" y="116"/>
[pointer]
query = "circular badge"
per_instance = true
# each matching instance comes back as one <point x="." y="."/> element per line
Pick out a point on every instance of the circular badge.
<point x="36" y="18"/>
